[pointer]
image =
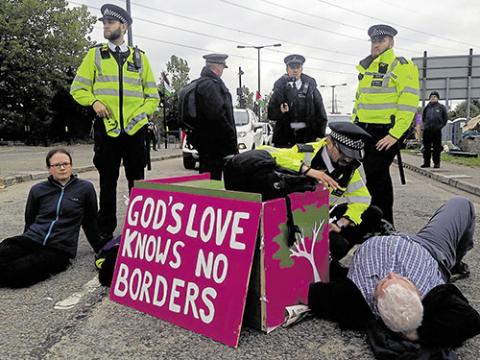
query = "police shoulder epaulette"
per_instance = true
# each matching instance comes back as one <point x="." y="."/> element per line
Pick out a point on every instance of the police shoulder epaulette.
<point x="305" y="148"/>
<point x="402" y="60"/>
<point x="143" y="52"/>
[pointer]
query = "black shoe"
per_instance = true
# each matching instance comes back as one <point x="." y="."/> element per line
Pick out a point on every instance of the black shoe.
<point x="424" y="166"/>
<point x="436" y="166"/>
<point x="459" y="271"/>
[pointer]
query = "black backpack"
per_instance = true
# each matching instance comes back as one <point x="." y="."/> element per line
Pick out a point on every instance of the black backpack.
<point x="256" y="171"/>
<point x="187" y="112"/>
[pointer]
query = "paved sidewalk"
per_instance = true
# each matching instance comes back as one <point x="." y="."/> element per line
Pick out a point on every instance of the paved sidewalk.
<point x="458" y="176"/>
<point x="24" y="163"/>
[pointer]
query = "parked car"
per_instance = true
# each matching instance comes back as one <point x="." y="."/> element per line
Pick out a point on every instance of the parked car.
<point x="249" y="136"/>
<point x="267" y="133"/>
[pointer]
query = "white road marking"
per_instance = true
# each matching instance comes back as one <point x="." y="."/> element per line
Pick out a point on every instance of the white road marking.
<point x="75" y="298"/>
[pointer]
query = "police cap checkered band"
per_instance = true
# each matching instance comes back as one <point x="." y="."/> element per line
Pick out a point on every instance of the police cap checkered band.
<point x="381" y="30"/>
<point x="345" y="140"/>
<point x="113" y="12"/>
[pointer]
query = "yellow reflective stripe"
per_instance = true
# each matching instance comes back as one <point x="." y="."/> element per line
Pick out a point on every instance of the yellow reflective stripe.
<point x="377" y="106"/>
<point x="115" y="131"/>
<point x="307" y="159"/>
<point x="98" y="60"/>
<point x="133" y="93"/>
<point x="374" y="74"/>
<point x="135" y="121"/>
<point x="389" y="74"/>
<point x="407" y="108"/>
<point x="77" y="87"/>
<point x="106" y="78"/>
<point x="154" y="96"/>
<point x="150" y="84"/>
<point x="378" y="90"/>
<point x="113" y="92"/>
<point x="133" y="81"/>
<point x="357" y="185"/>
<point x="410" y="90"/>
<point x="358" y="199"/>
<point x="83" y="80"/>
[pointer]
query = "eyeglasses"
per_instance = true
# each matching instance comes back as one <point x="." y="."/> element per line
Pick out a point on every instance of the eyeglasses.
<point x="60" y="165"/>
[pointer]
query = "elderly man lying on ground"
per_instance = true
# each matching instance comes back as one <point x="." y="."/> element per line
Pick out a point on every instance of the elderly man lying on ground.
<point x="402" y="280"/>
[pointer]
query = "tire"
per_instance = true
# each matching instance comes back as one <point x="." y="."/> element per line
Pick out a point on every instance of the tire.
<point x="189" y="162"/>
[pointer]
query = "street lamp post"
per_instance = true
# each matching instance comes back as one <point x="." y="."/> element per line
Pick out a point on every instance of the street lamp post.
<point x="258" y="63"/>
<point x="333" y="93"/>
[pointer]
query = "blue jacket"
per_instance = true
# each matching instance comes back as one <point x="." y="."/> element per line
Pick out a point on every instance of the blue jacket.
<point x="54" y="214"/>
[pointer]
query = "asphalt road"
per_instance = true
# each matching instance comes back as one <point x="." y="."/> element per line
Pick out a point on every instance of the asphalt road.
<point x="70" y="316"/>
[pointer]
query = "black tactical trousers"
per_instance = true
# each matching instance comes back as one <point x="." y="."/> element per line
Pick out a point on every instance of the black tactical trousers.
<point x="109" y="153"/>
<point x="432" y="138"/>
<point x="212" y="163"/>
<point x="377" y="170"/>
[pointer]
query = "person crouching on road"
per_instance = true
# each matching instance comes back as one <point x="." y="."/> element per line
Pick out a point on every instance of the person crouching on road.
<point x="55" y="210"/>
<point x="333" y="161"/>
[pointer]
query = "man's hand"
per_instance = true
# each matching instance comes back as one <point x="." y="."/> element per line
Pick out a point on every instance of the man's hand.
<point x="100" y="109"/>
<point x="386" y="143"/>
<point x="284" y="108"/>
<point x="322" y="177"/>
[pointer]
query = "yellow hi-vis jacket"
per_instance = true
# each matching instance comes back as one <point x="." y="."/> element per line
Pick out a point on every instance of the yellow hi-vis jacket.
<point x="356" y="194"/>
<point x="388" y="87"/>
<point x="131" y="87"/>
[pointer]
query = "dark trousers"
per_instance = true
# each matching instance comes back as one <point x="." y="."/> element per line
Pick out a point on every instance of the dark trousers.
<point x="432" y="139"/>
<point x="211" y="163"/>
<point x="448" y="235"/>
<point x="24" y="262"/>
<point x="377" y="170"/>
<point x="109" y="152"/>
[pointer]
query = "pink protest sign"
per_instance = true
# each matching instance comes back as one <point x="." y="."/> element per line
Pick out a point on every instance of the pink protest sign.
<point x="290" y="270"/>
<point x="186" y="259"/>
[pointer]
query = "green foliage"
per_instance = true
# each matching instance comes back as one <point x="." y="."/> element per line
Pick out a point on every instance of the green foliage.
<point x="305" y="218"/>
<point x="461" y="109"/>
<point x="41" y="44"/>
<point x="177" y="72"/>
<point x="248" y="97"/>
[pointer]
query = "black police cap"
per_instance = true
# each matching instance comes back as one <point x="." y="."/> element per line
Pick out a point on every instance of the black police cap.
<point x="349" y="137"/>
<point x="294" y="59"/>
<point x="114" y="12"/>
<point x="381" y="30"/>
<point x="216" y="59"/>
<point x="434" y="93"/>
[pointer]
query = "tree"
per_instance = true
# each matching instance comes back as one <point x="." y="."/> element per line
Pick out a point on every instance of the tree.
<point x="247" y="96"/>
<point x="177" y="72"/>
<point x="41" y="42"/>
<point x="461" y="109"/>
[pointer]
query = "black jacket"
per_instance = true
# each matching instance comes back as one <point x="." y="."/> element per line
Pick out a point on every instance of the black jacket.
<point x="54" y="214"/>
<point x="316" y="120"/>
<point x="434" y="117"/>
<point x="218" y="135"/>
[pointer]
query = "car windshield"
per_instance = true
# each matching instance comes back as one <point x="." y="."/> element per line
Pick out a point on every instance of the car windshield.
<point x="241" y="118"/>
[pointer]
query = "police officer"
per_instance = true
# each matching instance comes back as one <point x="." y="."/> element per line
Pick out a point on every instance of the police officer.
<point x="117" y="82"/>
<point x="218" y="135"/>
<point x="333" y="161"/>
<point x="385" y="105"/>
<point x="296" y="106"/>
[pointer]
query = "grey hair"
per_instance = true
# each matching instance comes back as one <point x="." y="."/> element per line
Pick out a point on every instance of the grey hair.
<point x="401" y="310"/>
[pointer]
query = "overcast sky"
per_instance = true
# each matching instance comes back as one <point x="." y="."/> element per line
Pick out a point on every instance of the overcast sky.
<point x="332" y="35"/>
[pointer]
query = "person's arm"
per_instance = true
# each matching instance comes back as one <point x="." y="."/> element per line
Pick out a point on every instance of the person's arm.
<point x="150" y="90"/>
<point x="90" y="220"/>
<point x="320" y="113"/>
<point x="276" y="101"/>
<point x="82" y="85"/>
<point x="31" y="210"/>
<point x="358" y="198"/>
<point x="407" y="85"/>
<point x="444" y="116"/>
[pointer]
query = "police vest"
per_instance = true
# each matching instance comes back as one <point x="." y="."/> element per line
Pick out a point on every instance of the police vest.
<point x="128" y="91"/>
<point x="355" y="192"/>
<point x="387" y="92"/>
